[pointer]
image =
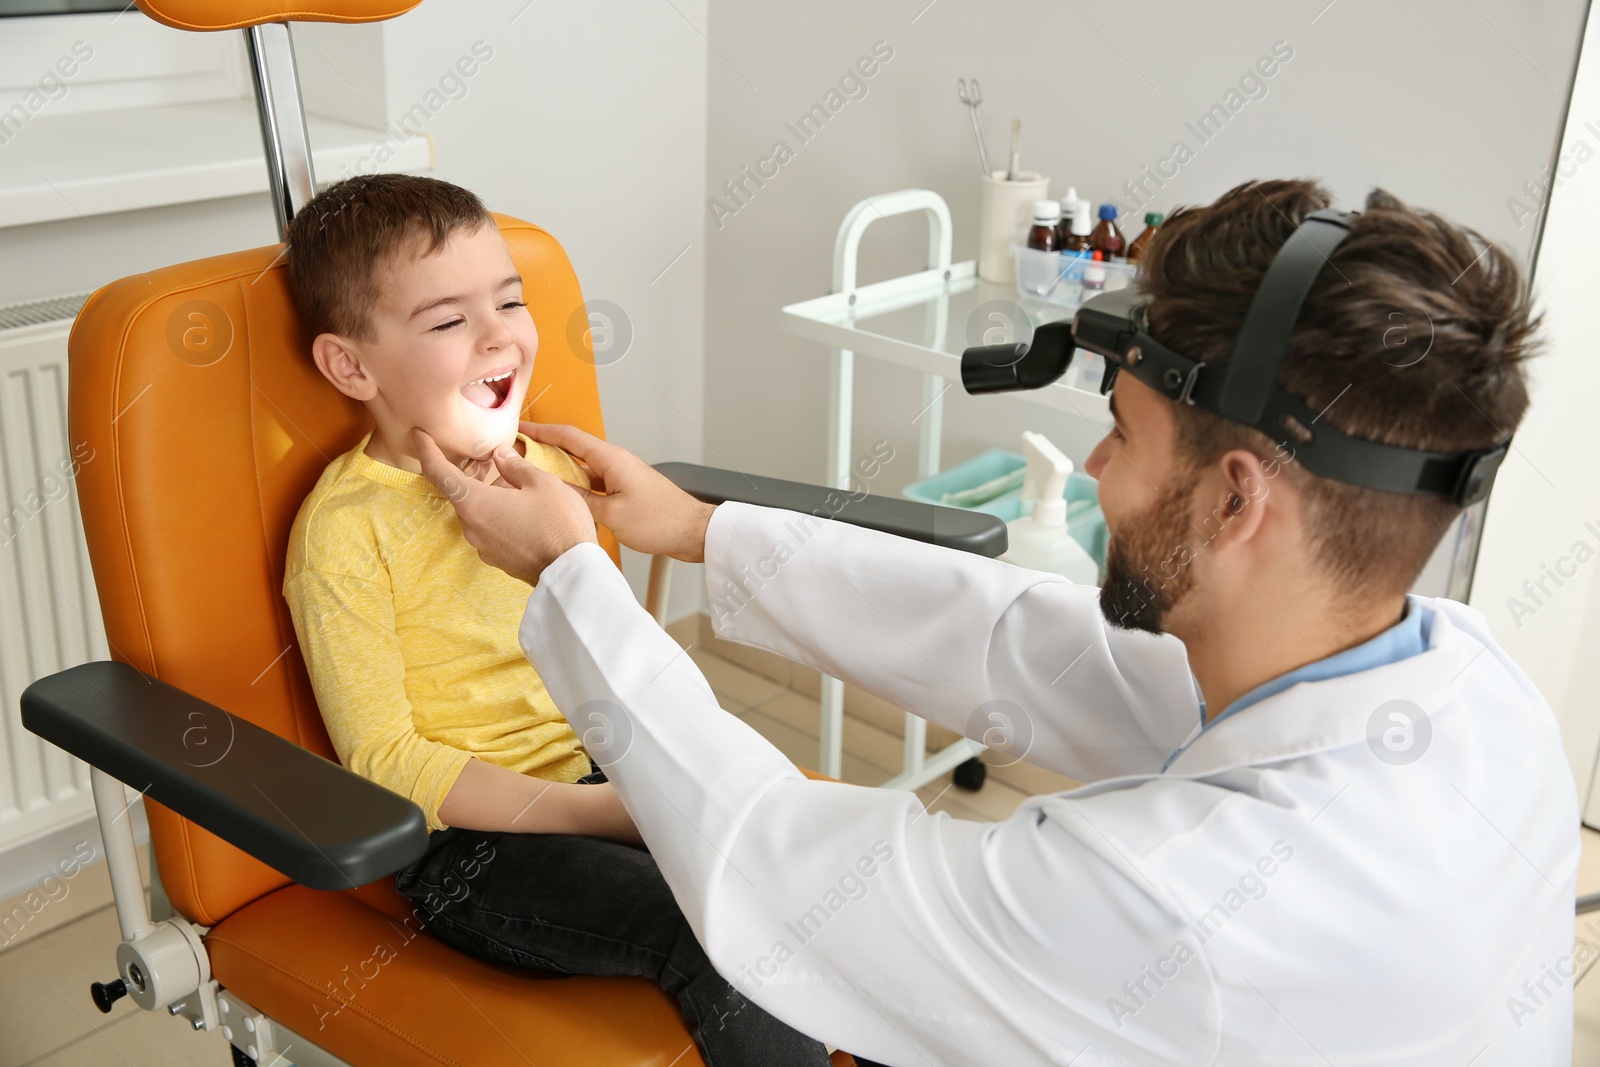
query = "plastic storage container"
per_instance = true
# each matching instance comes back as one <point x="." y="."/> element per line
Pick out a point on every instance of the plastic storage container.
<point x="1085" y="522"/>
<point x="1057" y="277"/>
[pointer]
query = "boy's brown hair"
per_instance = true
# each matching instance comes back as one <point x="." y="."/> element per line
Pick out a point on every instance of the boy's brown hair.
<point x="1415" y="333"/>
<point x="339" y="242"/>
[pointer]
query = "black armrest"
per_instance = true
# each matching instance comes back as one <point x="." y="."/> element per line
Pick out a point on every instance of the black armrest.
<point x="322" y="825"/>
<point x="969" y="531"/>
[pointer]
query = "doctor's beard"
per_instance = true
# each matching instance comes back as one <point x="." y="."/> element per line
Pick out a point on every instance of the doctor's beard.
<point x="1148" y="561"/>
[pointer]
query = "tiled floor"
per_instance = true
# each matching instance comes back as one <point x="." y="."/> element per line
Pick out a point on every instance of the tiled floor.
<point x="46" y="1019"/>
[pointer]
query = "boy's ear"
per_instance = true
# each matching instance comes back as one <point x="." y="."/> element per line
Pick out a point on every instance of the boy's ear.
<point x="339" y="364"/>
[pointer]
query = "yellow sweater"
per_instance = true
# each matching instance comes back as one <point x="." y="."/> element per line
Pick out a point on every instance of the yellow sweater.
<point x="411" y="639"/>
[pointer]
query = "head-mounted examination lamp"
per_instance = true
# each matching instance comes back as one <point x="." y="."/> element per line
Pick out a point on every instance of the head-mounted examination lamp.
<point x="1245" y="387"/>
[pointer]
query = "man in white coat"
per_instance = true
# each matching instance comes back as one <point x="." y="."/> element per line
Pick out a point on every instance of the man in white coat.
<point x="1327" y="821"/>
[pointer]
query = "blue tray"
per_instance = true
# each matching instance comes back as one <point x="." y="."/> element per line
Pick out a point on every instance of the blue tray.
<point x="1088" y="529"/>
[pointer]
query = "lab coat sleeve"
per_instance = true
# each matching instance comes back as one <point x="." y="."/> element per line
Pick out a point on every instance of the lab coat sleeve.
<point x="851" y="913"/>
<point x="1018" y="660"/>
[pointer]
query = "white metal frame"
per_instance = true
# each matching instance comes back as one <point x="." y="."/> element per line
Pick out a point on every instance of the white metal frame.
<point x="917" y="769"/>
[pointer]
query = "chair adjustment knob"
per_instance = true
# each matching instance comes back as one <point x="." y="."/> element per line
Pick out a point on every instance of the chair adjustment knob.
<point x="106" y="994"/>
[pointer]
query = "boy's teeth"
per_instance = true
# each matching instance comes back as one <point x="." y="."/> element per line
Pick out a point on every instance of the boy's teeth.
<point x="483" y="394"/>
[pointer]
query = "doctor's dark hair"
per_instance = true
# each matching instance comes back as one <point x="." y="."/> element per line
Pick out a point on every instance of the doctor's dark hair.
<point x="340" y="242"/>
<point x="1414" y="333"/>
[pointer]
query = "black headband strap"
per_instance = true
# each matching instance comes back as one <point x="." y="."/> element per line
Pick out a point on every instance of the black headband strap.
<point x="1244" y="387"/>
<point x="1251" y="374"/>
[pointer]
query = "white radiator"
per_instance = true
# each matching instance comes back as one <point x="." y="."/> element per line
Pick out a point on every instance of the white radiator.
<point x="49" y="614"/>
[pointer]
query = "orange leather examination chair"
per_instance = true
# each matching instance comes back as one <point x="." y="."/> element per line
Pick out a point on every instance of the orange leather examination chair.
<point x="209" y="424"/>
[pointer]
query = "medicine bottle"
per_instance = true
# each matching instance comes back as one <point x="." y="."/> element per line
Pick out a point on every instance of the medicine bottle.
<point x="1042" y="235"/>
<point x="1069" y="208"/>
<point x="1106" y="237"/>
<point x="1078" y="239"/>
<point x="1152" y="223"/>
<point x="1094" y="275"/>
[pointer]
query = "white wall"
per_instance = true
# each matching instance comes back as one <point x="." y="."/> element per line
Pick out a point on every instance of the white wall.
<point x="1450" y="106"/>
<point x="1536" y="580"/>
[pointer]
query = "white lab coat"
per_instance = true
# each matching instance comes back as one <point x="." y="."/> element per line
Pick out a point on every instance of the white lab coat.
<point x="1279" y="895"/>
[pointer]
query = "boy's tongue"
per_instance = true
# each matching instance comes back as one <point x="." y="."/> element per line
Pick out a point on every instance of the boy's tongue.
<point x="480" y="394"/>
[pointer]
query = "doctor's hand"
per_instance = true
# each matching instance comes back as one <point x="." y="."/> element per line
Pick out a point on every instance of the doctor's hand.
<point x="633" y="500"/>
<point x="522" y="522"/>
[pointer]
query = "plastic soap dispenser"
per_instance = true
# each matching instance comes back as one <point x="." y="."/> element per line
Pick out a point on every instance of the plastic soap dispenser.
<point x="1040" y="541"/>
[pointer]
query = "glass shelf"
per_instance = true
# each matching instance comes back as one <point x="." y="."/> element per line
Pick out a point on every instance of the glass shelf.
<point x="924" y="321"/>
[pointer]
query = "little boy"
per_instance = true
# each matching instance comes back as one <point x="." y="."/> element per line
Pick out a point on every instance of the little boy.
<point x="411" y="640"/>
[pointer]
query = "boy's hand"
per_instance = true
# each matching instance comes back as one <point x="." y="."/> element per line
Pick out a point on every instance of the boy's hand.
<point x="523" y="522"/>
<point x="633" y="500"/>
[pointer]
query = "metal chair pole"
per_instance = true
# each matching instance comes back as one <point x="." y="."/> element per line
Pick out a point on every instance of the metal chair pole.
<point x="283" y="119"/>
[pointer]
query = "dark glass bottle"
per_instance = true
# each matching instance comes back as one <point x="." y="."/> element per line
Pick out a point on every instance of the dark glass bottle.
<point x="1106" y="238"/>
<point x="1152" y="223"/>
<point x="1042" y="235"/>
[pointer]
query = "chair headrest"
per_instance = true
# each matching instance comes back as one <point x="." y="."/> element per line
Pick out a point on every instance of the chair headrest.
<point x="204" y="15"/>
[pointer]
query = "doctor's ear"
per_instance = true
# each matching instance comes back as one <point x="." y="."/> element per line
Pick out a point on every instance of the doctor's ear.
<point x="1242" y="488"/>
<point x="339" y="364"/>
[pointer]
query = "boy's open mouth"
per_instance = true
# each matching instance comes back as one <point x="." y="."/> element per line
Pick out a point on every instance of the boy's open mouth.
<point x="491" y="390"/>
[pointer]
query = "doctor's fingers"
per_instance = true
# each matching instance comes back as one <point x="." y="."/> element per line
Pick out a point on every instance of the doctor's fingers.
<point x="518" y="471"/>
<point x="644" y="508"/>
<point x="441" y="472"/>
<point x="601" y="457"/>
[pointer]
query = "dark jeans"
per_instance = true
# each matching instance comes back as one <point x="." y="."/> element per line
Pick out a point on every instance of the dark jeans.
<point x="585" y="905"/>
